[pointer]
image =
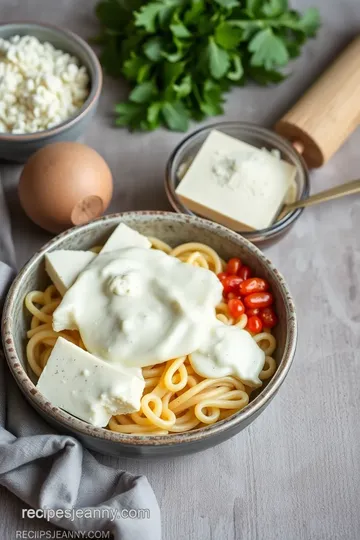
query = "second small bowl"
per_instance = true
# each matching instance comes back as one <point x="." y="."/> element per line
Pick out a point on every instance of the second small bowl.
<point x="20" y="147"/>
<point x="252" y="134"/>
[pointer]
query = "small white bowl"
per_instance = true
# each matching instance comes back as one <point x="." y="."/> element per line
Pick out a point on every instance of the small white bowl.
<point x="21" y="147"/>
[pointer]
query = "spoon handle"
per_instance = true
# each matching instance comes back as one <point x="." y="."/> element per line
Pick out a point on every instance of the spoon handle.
<point x="350" y="188"/>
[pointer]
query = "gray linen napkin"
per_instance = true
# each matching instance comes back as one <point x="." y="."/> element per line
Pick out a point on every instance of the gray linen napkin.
<point x="51" y="471"/>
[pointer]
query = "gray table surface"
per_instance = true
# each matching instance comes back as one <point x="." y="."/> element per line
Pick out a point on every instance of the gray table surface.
<point x="295" y="473"/>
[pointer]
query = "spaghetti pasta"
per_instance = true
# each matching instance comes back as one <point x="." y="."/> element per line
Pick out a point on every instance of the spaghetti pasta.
<point x="176" y="398"/>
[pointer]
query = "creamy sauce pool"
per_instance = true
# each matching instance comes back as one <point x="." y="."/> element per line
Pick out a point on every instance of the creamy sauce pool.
<point x="139" y="307"/>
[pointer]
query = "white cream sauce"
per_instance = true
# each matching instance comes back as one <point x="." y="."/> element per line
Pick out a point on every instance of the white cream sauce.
<point x="228" y="350"/>
<point x="138" y="307"/>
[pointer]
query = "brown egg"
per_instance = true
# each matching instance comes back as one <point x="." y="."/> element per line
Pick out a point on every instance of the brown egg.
<point x="65" y="184"/>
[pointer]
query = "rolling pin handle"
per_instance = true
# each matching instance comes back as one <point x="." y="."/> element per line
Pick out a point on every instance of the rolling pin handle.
<point x="328" y="112"/>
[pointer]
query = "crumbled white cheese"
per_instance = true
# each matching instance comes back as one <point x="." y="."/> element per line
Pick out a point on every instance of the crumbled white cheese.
<point x="126" y="284"/>
<point x="40" y="86"/>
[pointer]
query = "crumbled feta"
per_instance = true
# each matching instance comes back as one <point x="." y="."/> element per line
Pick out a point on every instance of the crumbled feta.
<point x="40" y="86"/>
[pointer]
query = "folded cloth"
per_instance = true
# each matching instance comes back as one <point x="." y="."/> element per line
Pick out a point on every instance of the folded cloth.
<point x="52" y="472"/>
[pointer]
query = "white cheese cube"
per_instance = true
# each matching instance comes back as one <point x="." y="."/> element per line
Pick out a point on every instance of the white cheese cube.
<point x="124" y="237"/>
<point x="87" y="387"/>
<point x="236" y="184"/>
<point x="63" y="266"/>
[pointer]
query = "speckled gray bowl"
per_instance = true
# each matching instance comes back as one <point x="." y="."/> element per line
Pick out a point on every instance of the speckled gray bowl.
<point x="174" y="229"/>
<point x="20" y="147"/>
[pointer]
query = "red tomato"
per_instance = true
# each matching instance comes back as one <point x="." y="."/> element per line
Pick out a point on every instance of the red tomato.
<point x="236" y="307"/>
<point x="253" y="311"/>
<point x="245" y="272"/>
<point x="231" y="284"/>
<point x="254" y="324"/>
<point x="233" y="265"/>
<point x="268" y="317"/>
<point x="253" y="285"/>
<point x="258" y="300"/>
<point x="222" y="276"/>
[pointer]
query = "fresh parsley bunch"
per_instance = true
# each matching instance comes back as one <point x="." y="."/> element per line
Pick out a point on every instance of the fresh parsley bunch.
<point x="180" y="56"/>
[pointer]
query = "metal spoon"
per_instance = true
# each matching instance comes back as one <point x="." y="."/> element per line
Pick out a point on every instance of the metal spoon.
<point x="350" y="188"/>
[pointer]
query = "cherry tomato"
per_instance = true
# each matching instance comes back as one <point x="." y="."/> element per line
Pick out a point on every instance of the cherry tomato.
<point x="231" y="284"/>
<point x="254" y="324"/>
<point x="233" y="265"/>
<point x="268" y="317"/>
<point x="258" y="300"/>
<point x="253" y="285"/>
<point x="236" y="307"/>
<point x="222" y="276"/>
<point x="245" y="272"/>
<point x="231" y="295"/>
<point x="253" y="311"/>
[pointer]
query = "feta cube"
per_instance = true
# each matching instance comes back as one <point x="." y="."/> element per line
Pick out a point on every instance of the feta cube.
<point x="236" y="184"/>
<point x="63" y="266"/>
<point x="87" y="387"/>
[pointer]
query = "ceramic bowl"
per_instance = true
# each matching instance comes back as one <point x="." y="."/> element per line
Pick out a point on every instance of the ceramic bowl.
<point x="20" y="147"/>
<point x="173" y="229"/>
<point x="254" y="135"/>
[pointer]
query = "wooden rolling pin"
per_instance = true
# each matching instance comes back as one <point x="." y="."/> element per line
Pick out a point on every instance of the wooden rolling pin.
<point x="329" y="111"/>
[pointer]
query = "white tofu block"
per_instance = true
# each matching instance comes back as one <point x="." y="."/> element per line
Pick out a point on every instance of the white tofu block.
<point x="124" y="237"/>
<point x="87" y="387"/>
<point x="63" y="266"/>
<point x="236" y="184"/>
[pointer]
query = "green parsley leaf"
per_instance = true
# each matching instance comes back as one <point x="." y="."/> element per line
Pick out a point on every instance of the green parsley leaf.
<point x="228" y="36"/>
<point x="183" y="89"/>
<point x="153" y="49"/>
<point x="179" y="29"/>
<point x="176" y="50"/>
<point x="274" y="8"/>
<point x="142" y="93"/>
<point x="253" y="7"/>
<point x="237" y="71"/>
<point x="146" y="17"/>
<point x="249" y="28"/>
<point x="211" y="99"/>
<point x="176" y="116"/>
<point x="173" y="57"/>
<point x="228" y="3"/>
<point x="218" y="60"/>
<point x="309" y="22"/>
<point x="268" y="50"/>
<point x="192" y="15"/>
<point x="153" y="114"/>
<point x="171" y="72"/>
<point x="134" y="68"/>
<point x="129" y="114"/>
